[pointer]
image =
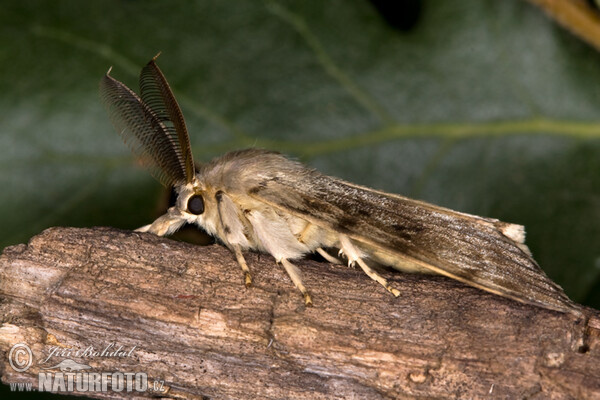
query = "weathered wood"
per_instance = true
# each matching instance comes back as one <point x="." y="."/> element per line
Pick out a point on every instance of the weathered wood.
<point x="197" y="328"/>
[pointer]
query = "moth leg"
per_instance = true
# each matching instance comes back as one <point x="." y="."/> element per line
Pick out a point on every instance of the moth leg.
<point x="165" y="224"/>
<point x="242" y="262"/>
<point x="328" y="256"/>
<point x="354" y="256"/>
<point x="232" y="229"/>
<point x="305" y="234"/>
<point x="342" y="254"/>
<point x="294" y="274"/>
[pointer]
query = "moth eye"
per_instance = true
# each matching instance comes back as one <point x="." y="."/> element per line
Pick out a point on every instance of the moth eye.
<point x="195" y="204"/>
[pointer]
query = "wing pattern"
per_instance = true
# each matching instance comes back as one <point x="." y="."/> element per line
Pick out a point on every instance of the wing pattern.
<point x="468" y="248"/>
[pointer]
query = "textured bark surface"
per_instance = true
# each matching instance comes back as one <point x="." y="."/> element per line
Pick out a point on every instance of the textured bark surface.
<point x="196" y="328"/>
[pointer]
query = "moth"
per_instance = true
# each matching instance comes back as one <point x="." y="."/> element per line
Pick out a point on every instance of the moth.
<point x="260" y="200"/>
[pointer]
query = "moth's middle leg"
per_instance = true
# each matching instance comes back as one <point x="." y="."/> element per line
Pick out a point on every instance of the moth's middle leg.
<point x="294" y="274"/>
<point x="353" y="255"/>
<point x="328" y="256"/>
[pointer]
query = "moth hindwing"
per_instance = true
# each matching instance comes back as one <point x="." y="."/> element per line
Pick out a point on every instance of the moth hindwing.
<point x="260" y="200"/>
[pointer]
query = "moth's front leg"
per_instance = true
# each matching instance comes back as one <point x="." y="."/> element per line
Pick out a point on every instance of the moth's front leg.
<point x="232" y="231"/>
<point x="165" y="224"/>
<point x="273" y="233"/>
<point x="242" y="262"/>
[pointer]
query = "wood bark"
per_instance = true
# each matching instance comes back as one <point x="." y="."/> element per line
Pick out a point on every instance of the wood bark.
<point x="187" y="321"/>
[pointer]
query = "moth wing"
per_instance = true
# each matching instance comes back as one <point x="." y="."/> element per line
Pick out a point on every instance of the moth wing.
<point x="481" y="252"/>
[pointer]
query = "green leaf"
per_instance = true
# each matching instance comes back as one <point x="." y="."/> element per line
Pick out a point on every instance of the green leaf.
<point x="485" y="107"/>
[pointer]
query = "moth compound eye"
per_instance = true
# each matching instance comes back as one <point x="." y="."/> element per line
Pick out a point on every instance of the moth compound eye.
<point x="195" y="204"/>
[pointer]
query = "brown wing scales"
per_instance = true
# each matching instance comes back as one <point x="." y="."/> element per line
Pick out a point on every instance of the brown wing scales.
<point x="467" y="248"/>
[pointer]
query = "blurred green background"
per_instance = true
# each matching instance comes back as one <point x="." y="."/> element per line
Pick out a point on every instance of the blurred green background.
<point x="485" y="107"/>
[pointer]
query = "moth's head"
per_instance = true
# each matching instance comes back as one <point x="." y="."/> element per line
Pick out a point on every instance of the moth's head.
<point x="152" y="125"/>
<point x="196" y="206"/>
<point x="190" y="200"/>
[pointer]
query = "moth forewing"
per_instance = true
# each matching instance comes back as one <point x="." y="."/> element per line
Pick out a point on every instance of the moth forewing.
<point x="415" y="236"/>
